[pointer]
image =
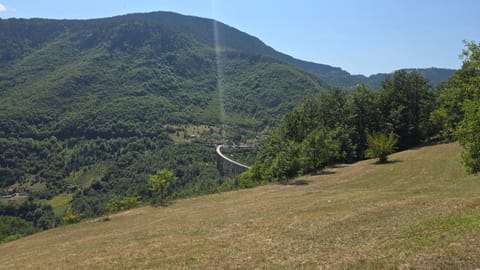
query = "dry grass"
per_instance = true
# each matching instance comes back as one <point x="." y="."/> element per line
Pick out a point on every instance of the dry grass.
<point x="421" y="211"/>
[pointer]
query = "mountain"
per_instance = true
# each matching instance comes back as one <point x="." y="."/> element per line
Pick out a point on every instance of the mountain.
<point x="229" y="37"/>
<point x="90" y="108"/>
<point x="143" y="55"/>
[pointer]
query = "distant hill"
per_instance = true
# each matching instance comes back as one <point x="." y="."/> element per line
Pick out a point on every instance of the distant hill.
<point x="229" y="37"/>
<point x="433" y="75"/>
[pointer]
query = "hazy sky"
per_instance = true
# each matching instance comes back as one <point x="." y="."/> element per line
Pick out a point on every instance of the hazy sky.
<point x="360" y="36"/>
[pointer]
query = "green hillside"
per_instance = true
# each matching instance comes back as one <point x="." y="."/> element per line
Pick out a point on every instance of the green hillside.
<point x="419" y="212"/>
<point x="90" y="108"/>
<point x="82" y="68"/>
<point x="230" y="37"/>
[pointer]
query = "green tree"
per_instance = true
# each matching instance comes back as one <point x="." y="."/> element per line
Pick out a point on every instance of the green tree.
<point x="285" y="165"/>
<point x="458" y="111"/>
<point x="463" y="86"/>
<point x="407" y="103"/>
<point x="468" y="134"/>
<point x="116" y="203"/>
<point x="317" y="150"/>
<point x="70" y="216"/>
<point x="380" y="146"/>
<point x="159" y="182"/>
<point x="365" y="115"/>
<point x="12" y="228"/>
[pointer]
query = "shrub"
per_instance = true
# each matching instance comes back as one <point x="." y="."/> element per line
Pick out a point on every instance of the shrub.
<point x="380" y="146"/>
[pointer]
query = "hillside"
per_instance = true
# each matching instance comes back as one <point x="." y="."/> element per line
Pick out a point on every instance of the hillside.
<point x="91" y="107"/>
<point x="230" y="37"/>
<point x="420" y="211"/>
<point x="50" y="66"/>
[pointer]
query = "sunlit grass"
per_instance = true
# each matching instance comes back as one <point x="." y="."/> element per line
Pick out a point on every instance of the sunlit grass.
<point x="188" y="133"/>
<point x="59" y="203"/>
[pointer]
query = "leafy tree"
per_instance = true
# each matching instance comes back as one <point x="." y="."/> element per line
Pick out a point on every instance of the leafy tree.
<point x="458" y="110"/>
<point x="463" y="86"/>
<point x="318" y="149"/>
<point x="159" y="182"/>
<point x="70" y="216"/>
<point x="285" y="165"/>
<point x="365" y="116"/>
<point x="116" y="203"/>
<point x="468" y="134"/>
<point x="246" y="179"/>
<point x="407" y="103"/>
<point x="12" y="228"/>
<point x="380" y="146"/>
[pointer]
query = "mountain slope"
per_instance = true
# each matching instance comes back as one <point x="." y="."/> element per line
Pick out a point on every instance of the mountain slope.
<point x="105" y="98"/>
<point x="229" y="37"/>
<point x="421" y="211"/>
<point x="89" y="63"/>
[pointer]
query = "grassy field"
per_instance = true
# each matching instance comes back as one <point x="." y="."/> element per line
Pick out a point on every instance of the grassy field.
<point x="59" y="203"/>
<point x="187" y="133"/>
<point x="88" y="174"/>
<point x="421" y="211"/>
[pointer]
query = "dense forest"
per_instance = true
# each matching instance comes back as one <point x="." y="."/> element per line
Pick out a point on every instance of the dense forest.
<point x="89" y="110"/>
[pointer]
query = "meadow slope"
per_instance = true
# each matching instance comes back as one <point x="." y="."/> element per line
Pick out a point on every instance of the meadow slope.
<point x="421" y="211"/>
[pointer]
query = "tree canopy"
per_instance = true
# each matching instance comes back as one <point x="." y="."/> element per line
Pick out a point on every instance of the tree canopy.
<point x="333" y="127"/>
<point x="159" y="182"/>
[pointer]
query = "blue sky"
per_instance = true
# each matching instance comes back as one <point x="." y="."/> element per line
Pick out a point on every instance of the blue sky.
<point x="362" y="37"/>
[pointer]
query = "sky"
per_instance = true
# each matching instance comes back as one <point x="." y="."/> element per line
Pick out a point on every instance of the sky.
<point x="360" y="36"/>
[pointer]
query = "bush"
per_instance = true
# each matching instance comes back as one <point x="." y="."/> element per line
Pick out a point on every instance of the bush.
<point x="380" y="146"/>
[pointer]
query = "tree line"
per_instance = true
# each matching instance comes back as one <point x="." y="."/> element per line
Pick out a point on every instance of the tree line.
<point x="336" y="125"/>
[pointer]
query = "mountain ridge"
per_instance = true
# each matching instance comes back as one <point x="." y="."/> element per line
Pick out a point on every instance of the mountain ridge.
<point x="203" y="30"/>
<point x="115" y="99"/>
<point x="334" y="76"/>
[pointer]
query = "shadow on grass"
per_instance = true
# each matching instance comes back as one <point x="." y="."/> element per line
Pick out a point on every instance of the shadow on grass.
<point x="324" y="172"/>
<point x="388" y="162"/>
<point x="338" y="166"/>
<point x="298" y="182"/>
<point x="104" y="219"/>
<point x="164" y="204"/>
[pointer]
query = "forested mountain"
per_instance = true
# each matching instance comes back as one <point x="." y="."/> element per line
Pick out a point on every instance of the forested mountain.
<point x="229" y="37"/>
<point x="92" y="63"/>
<point x="90" y="108"/>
